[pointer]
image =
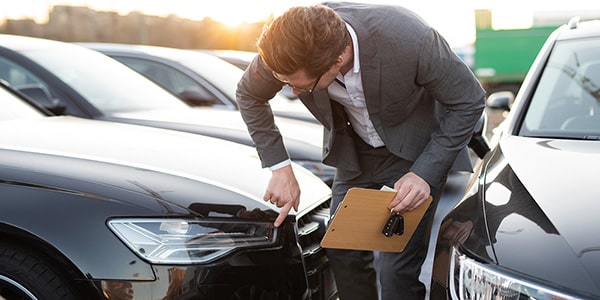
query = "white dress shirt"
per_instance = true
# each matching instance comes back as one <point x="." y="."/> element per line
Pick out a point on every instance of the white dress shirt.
<point x="347" y="89"/>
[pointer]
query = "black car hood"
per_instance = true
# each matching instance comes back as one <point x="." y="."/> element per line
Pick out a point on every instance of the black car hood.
<point x="125" y="189"/>
<point x="210" y="162"/>
<point x="541" y="204"/>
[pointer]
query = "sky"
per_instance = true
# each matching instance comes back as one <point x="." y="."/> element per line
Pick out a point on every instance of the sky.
<point x="453" y="19"/>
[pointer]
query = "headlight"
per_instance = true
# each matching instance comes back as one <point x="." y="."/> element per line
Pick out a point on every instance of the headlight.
<point x="178" y="241"/>
<point x="470" y="279"/>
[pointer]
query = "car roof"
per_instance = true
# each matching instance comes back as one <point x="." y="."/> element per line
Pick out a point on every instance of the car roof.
<point x="174" y="54"/>
<point x="21" y="43"/>
<point x="576" y="28"/>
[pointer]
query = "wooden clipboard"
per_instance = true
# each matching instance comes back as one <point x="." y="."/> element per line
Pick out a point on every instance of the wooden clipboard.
<point x="360" y="218"/>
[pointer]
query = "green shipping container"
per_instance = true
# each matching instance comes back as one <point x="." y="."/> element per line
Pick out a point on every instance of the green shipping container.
<point x="504" y="56"/>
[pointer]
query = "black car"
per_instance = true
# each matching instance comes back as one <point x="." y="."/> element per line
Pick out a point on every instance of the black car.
<point x="71" y="80"/>
<point x="101" y="210"/>
<point x="528" y="225"/>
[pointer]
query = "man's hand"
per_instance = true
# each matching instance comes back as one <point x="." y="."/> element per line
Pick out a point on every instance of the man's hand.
<point x="412" y="191"/>
<point x="283" y="191"/>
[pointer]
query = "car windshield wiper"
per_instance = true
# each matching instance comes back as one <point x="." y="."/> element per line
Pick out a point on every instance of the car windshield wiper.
<point x="564" y="137"/>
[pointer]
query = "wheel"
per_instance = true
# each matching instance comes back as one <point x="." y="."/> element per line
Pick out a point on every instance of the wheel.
<point x="23" y="275"/>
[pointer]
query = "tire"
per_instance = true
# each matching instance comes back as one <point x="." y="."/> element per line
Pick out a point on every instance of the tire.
<point x="26" y="276"/>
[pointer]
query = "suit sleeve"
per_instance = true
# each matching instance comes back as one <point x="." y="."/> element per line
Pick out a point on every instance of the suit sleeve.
<point x="256" y="87"/>
<point x="461" y="96"/>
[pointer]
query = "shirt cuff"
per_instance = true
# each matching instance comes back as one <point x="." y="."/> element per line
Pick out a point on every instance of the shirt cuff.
<point x="280" y="165"/>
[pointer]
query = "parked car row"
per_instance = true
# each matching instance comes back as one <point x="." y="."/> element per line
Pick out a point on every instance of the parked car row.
<point x="201" y="80"/>
<point x="71" y="80"/>
<point x="95" y="206"/>
<point x="527" y="227"/>
<point x="198" y="78"/>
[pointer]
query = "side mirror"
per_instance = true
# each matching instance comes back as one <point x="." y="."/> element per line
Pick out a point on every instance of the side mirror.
<point x="478" y="142"/>
<point x="40" y="95"/>
<point x="500" y="100"/>
<point x="195" y="96"/>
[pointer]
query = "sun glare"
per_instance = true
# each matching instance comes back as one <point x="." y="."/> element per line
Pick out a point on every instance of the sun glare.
<point x="454" y="21"/>
<point x="230" y="13"/>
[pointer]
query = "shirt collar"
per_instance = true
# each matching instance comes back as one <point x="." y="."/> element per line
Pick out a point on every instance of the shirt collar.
<point x="356" y="64"/>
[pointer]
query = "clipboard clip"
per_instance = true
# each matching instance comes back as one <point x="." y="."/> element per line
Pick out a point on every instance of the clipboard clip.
<point x="394" y="225"/>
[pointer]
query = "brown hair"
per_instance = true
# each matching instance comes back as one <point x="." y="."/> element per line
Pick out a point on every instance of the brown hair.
<point x="304" y="37"/>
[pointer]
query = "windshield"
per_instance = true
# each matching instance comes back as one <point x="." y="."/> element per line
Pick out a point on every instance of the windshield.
<point x="104" y="82"/>
<point x="566" y="102"/>
<point x="14" y="108"/>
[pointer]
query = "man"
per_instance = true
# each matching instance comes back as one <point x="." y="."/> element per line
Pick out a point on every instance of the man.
<point x="398" y="107"/>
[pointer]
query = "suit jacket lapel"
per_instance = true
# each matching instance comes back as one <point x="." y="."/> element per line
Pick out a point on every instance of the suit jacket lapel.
<point x="370" y="78"/>
<point x="369" y="68"/>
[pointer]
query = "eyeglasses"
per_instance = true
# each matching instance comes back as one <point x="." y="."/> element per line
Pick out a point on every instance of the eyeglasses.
<point x="302" y="90"/>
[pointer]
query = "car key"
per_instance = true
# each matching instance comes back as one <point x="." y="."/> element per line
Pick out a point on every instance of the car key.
<point x="394" y="225"/>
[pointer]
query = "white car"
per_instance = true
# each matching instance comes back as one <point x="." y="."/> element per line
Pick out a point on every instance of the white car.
<point x="200" y="79"/>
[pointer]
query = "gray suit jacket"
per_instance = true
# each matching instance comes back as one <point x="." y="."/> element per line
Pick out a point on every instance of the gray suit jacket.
<point x="422" y="99"/>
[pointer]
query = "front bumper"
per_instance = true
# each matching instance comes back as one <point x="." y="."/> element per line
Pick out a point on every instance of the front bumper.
<point x="295" y="269"/>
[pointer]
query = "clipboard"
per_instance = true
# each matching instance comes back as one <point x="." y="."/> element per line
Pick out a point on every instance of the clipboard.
<point x="360" y="218"/>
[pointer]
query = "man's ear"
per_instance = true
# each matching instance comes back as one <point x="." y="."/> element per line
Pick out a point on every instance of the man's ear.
<point x="340" y="61"/>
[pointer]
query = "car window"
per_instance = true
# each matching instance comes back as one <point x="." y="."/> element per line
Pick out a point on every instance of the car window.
<point x="16" y="75"/>
<point x="170" y="78"/>
<point x="566" y="101"/>
<point x="104" y="82"/>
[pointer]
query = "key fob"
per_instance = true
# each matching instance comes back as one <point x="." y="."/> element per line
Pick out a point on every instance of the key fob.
<point x="394" y="225"/>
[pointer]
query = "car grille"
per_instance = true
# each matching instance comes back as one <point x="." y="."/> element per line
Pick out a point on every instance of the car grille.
<point x="311" y="229"/>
